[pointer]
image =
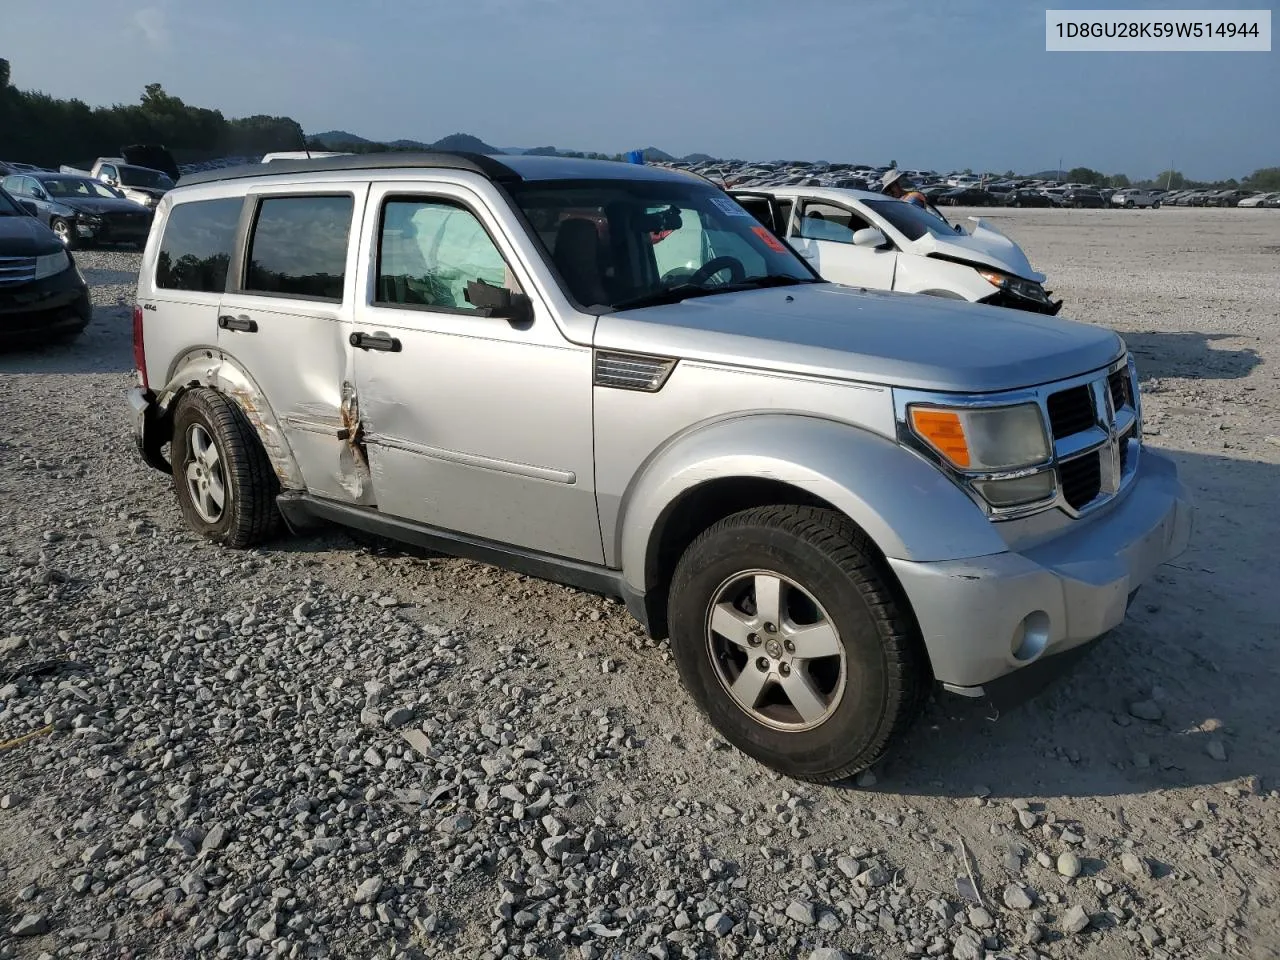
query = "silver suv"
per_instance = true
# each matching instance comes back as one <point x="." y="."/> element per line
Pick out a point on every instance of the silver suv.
<point x="615" y="377"/>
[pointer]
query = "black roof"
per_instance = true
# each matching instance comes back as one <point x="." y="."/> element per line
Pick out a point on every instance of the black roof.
<point x="505" y="169"/>
<point x="479" y="163"/>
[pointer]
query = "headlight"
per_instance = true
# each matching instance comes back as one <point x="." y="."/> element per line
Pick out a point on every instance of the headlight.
<point x="89" y="218"/>
<point x="983" y="439"/>
<point x="52" y="264"/>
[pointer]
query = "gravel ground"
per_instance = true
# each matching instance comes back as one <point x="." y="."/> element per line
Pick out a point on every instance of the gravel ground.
<point x="332" y="748"/>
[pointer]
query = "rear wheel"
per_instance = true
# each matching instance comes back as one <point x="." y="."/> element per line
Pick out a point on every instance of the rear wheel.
<point x="224" y="481"/>
<point x="793" y="639"/>
<point x="1129" y="204"/>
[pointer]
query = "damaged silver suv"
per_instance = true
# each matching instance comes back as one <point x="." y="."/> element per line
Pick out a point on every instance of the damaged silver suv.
<point x="615" y="377"/>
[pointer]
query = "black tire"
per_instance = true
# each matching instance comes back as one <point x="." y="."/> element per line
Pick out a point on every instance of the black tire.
<point x="1156" y="205"/>
<point x="1129" y="204"/>
<point x="65" y="231"/>
<point x="249" y="515"/>
<point x="832" y="560"/>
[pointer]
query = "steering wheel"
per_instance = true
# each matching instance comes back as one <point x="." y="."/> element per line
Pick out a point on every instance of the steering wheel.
<point x="737" y="272"/>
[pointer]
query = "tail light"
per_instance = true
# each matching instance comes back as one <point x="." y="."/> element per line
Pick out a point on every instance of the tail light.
<point x="139" y="351"/>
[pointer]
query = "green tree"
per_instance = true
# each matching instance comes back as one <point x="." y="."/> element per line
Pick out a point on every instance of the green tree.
<point x="4" y="74"/>
<point x="1118" y="180"/>
<point x="1266" y="179"/>
<point x="1172" y="179"/>
<point x="1086" y="175"/>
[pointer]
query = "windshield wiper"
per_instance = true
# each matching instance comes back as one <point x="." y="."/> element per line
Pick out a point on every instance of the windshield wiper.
<point x="772" y="280"/>
<point x="681" y="291"/>
<point x="685" y="291"/>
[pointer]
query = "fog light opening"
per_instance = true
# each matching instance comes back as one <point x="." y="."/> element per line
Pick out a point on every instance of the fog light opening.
<point x="1031" y="637"/>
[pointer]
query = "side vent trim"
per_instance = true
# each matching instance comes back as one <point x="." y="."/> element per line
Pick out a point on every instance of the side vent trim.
<point x="632" y="371"/>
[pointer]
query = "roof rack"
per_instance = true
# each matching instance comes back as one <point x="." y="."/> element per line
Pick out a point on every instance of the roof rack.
<point x="486" y="166"/>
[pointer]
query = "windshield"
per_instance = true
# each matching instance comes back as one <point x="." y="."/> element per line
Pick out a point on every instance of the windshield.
<point x="911" y="221"/>
<point x="78" y="187"/>
<point x="629" y="243"/>
<point x="143" y="177"/>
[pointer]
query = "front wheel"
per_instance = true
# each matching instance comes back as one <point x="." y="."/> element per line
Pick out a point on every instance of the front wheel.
<point x="1156" y="205"/>
<point x="793" y="638"/>
<point x="222" y="476"/>
<point x="64" y="231"/>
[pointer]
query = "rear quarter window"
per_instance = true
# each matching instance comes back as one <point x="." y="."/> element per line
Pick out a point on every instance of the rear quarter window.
<point x="195" y="251"/>
<point x="299" y="247"/>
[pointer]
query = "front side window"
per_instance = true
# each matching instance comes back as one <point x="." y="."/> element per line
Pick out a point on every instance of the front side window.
<point x="195" y="250"/>
<point x="298" y="247"/>
<point x="826" y="221"/>
<point x="620" y="243"/>
<point x="429" y="250"/>
<point x="108" y="171"/>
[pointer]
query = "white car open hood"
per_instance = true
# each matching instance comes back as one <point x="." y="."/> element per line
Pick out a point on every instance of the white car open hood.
<point x="985" y="245"/>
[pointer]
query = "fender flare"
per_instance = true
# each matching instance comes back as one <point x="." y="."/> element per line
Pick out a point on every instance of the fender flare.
<point x="209" y="367"/>
<point x="907" y="506"/>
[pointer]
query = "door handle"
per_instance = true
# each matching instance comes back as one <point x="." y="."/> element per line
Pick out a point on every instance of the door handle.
<point x="375" y="341"/>
<point x="241" y="323"/>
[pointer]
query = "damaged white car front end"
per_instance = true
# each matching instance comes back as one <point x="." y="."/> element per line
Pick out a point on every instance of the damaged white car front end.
<point x="863" y="239"/>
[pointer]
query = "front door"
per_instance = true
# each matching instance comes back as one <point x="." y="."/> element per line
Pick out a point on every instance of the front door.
<point x="473" y="424"/>
<point x="285" y="320"/>
<point x="823" y="235"/>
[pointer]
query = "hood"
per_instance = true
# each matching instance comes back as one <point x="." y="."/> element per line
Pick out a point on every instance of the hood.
<point x="26" y="237"/>
<point x="100" y="205"/>
<point x="898" y="339"/>
<point x="984" y="245"/>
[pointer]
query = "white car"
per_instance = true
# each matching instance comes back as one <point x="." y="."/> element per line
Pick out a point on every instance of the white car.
<point x="1259" y="200"/>
<point x="863" y="239"/>
<point x="1136" y="197"/>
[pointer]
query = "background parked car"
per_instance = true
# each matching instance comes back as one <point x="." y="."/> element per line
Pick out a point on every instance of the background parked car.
<point x="1136" y="197"/>
<point x="42" y="295"/>
<point x="1230" y="198"/>
<point x="965" y="197"/>
<point x="1025" y="198"/>
<point x="1084" y="197"/>
<point x="80" y="210"/>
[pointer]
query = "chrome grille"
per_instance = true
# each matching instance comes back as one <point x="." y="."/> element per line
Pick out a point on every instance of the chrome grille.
<point x="17" y="269"/>
<point x="632" y="371"/>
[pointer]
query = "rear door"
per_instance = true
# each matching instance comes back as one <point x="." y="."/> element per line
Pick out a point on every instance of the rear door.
<point x="822" y="233"/>
<point x="285" y="319"/>
<point x="182" y="279"/>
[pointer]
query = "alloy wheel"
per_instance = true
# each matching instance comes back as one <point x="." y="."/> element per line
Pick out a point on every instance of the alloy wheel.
<point x="206" y="481"/>
<point x="775" y="651"/>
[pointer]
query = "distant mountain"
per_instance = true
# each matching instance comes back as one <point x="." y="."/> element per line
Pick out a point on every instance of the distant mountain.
<point x="409" y="145"/>
<point x="515" y="151"/>
<point x="465" y="142"/>
<point x="337" y="138"/>
<point x="698" y="158"/>
<point x="653" y="153"/>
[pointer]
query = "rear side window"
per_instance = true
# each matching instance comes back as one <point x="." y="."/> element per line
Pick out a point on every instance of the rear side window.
<point x="299" y="247"/>
<point x="195" y="251"/>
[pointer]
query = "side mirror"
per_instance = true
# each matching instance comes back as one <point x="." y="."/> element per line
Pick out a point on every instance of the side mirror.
<point x="869" y="237"/>
<point x="30" y="207"/>
<point x="39" y="194"/>
<point x="499" y="302"/>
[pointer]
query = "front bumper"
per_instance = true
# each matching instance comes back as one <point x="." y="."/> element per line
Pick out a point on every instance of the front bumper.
<point x="47" y="309"/>
<point x="993" y="617"/>
<point x="150" y="431"/>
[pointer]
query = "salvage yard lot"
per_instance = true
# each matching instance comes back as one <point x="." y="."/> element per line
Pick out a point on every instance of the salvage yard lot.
<point x="332" y="748"/>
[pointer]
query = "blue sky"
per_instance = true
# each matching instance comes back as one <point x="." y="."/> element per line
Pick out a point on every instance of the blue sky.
<point x="930" y="83"/>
